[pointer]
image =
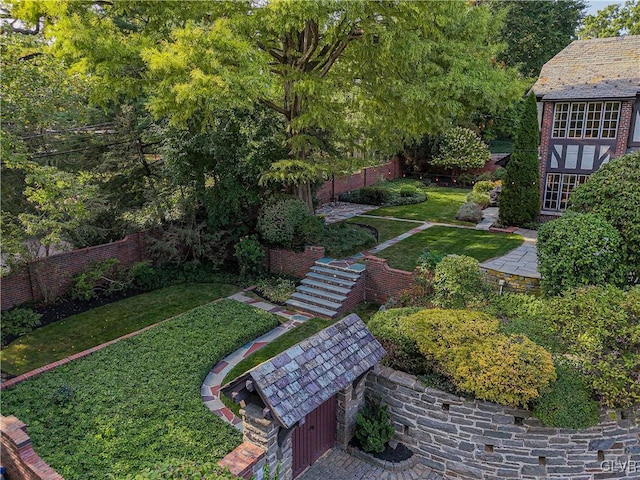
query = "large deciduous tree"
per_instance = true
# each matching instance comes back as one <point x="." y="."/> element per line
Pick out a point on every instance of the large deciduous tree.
<point x="612" y="21"/>
<point x="520" y="197"/>
<point x="371" y="75"/>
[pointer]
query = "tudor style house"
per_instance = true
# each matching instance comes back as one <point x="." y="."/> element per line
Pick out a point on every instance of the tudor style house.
<point x="589" y="110"/>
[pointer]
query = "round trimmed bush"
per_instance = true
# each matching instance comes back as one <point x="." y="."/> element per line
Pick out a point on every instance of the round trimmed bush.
<point x="579" y="249"/>
<point x="287" y="223"/>
<point x="458" y="282"/>
<point x="462" y="148"/>
<point x="470" y="212"/>
<point x="480" y="198"/>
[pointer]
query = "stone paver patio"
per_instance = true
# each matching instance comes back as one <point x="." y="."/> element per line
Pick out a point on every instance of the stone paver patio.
<point x="337" y="464"/>
<point x="337" y="212"/>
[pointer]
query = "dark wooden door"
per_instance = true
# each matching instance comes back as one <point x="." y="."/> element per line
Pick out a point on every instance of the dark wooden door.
<point x="315" y="436"/>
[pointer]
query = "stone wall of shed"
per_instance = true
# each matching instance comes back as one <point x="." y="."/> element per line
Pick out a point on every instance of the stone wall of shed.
<point x="478" y="440"/>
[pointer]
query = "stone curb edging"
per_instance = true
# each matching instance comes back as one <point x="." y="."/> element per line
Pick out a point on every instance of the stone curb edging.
<point x="407" y="464"/>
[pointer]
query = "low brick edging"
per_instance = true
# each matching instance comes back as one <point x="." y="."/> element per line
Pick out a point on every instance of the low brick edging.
<point x="477" y="440"/>
<point x="246" y="461"/>
<point x="17" y="455"/>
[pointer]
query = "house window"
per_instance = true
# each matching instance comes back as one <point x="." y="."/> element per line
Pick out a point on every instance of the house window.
<point x="586" y="120"/>
<point x="558" y="188"/>
<point x="610" y="122"/>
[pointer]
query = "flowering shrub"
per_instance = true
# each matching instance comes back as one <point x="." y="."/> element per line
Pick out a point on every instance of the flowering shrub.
<point x="462" y="148"/>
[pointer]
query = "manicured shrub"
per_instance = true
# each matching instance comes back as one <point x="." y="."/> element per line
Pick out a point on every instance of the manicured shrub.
<point x="342" y="239"/>
<point x="407" y="190"/>
<point x="418" y="197"/>
<point x="484" y="186"/>
<point x="17" y="322"/>
<point x="458" y="282"/>
<point x="277" y="290"/>
<point x="479" y="198"/>
<point x="143" y="275"/>
<point x="387" y="194"/>
<point x="402" y="351"/>
<point x="250" y="256"/>
<point x="287" y="223"/>
<point x="373" y="427"/>
<point x="374" y="195"/>
<point x="499" y="174"/>
<point x="429" y="260"/>
<point x="569" y="401"/>
<point x="579" y="249"/>
<point x="470" y="212"/>
<point x="465" y="179"/>
<point x="461" y="148"/>
<point x="613" y="193"/>
<point x="601" y="328"/>
<point x="520" y="197"/>
<point x="510" y="370"/>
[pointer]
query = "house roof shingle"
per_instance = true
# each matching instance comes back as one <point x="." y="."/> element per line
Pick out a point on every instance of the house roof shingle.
<point x="298" y="380"/>
<point x="588" y="69"/>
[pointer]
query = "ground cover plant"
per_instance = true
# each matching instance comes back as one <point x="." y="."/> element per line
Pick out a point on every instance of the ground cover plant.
<point x="93" y="327"/>
<point x="479" y="244"/>
<point x="136" y="404"/>
<point x="442" y="205"/>
<point x="388" y="193"/>
<point x="387" y="229"/>
<point x="344" y="239"/>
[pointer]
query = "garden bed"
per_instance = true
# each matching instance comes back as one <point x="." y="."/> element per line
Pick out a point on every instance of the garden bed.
<point x="391" y="459"/>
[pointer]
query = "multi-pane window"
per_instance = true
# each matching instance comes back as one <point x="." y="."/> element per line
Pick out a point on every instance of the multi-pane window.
<point x="558" y="188"/>
<point x="586" y="120"/>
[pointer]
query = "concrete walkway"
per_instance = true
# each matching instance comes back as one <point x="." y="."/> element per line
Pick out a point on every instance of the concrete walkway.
<point x="337" y="464"/>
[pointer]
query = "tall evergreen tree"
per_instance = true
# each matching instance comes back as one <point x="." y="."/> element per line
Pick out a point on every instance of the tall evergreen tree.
<point x="520" y="197"/>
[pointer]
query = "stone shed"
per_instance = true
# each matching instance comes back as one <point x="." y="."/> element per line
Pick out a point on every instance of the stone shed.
<point x="303" y="401"/>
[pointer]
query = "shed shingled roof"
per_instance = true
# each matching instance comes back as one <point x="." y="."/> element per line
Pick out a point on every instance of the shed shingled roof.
<point x="298" y="380"/>
<point x="589" y="69"/>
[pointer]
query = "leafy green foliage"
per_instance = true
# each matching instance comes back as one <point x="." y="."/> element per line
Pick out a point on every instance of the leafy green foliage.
<point x="579" y="249"/>
<point x="387" y="194"/>
<point x="181" y="469"/>
<point x="137" y="403"/>
<point x="535" y="31"/>
<point x="520" y="196"/>
<point x="287" y="223"/>
<point x="481" y="199"/>
<point x="458" y="282"/>
<point x="612" y="21"/>
<point x="276" y="289"/>
<point x="470" y="212"/>
<point x="250" y="256"/>
<point x="613" y="194"/>
<point x="104" y="278"/>
<point x="373" y="427"/>
<point x="342" y="239"/>
<point x="17" y="322"/>
<point x="468" y="349"/>
<point x="569" y="401"/>
<point x="601" y="327"/>
<point x="460" y="148"/>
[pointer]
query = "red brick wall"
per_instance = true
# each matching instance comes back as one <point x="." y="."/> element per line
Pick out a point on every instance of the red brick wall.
<point x="51" y="276"/>
<point x="624" y="128"/>
<point x="356" y="296"/>
<point x="293" y="263"/>
<point x="545" y="137"/>
<point x="367" y="176"/>
<point x="382" y="281"/>
<point x="18" y="457"/>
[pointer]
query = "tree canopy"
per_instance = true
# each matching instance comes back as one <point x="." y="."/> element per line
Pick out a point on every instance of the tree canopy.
<point x="612" y="21"/>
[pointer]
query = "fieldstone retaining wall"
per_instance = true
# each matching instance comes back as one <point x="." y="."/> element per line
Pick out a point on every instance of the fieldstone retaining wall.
<point x="478" y="440"/>
<point x="17" y="455"/>
<point x="512" y="283"/>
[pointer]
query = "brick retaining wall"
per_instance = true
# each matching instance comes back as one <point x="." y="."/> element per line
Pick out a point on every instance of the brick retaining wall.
<point x="382" y="281"/>
<point x="17" y="455"/>
<point x="478" y="440"/>
<point x="50" y="277"/>
<point x="365" y="177"/>
<point x="288" y="262"/>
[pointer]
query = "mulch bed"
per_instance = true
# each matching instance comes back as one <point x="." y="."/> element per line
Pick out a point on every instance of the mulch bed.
<point x="393" y="455"/>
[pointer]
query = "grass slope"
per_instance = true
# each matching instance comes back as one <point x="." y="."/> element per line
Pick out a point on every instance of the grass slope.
<point x="441" y="206"/>
<point x="479" y="244"/>
<point x="137" y="403"/>
<point x="88" y="329"/>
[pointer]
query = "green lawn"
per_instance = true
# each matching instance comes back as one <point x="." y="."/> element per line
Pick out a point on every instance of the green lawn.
<point x="93" y="327"/>
<point x="479" y="244"/>
<point x="387" y="229"/>
<point x="137" y="403"/>
<point x="441" y="206"/>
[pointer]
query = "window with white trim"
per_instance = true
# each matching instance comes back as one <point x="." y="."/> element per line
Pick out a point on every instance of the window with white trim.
<point x="586" y="120"/>
<point x="558" y="187"/>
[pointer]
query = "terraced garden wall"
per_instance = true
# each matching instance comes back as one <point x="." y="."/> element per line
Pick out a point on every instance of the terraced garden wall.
<point x="478" y="440"/>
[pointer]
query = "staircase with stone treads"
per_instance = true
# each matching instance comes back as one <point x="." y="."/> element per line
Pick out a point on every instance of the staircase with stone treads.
<point x="328" y="289"/>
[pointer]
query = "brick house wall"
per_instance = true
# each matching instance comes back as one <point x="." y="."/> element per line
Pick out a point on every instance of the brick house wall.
<point x="624" y="128"/>
<point x="51" y="277"/>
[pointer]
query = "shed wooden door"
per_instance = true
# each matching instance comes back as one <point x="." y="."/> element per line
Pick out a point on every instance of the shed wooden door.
<point x="315" y="436"/>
